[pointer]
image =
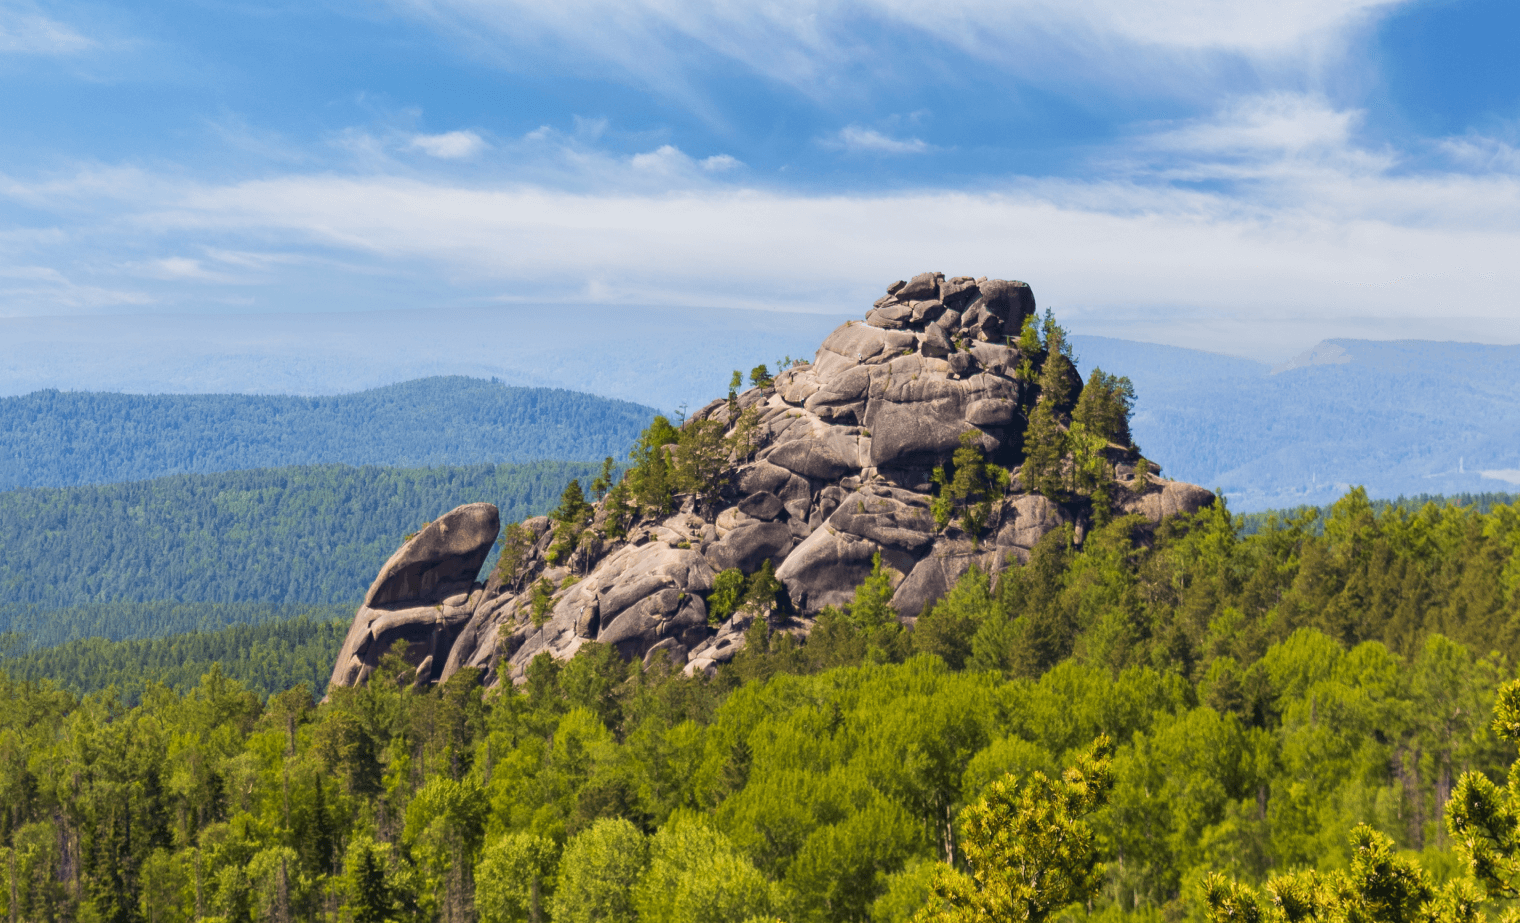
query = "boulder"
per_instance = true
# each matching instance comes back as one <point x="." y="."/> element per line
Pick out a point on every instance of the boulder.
<point x="446" y="551"/>
<point x="825" y="569"/>
<point x="886" y="516"/>
<point x="922" y="286"/>
<point x="826" y="456"/>
<point x="762" y="505"/>
<point x="1167" y="498"/>
<point x="420" y="596"/>
<point x="749" y="545"/>
<point x="934" y="575"/>
<point x="1027" y="518"/>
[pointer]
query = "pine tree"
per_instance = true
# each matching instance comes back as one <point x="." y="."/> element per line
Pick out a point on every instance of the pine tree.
<point x="1044" y="451"/>
<point x="971" y="490"/>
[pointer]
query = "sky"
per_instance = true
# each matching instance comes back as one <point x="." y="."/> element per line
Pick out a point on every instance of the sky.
<point x="1242" y="177"/>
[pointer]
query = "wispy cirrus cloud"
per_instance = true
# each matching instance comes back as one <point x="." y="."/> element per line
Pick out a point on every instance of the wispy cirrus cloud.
<point x="26" y="30"/>
<point x="869" y="140"/>
<point x="816" y="46"/>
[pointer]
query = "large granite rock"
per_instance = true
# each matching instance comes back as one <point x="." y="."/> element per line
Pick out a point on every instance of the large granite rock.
<point x="423" y="595"/>
<point x="840" y="473"/>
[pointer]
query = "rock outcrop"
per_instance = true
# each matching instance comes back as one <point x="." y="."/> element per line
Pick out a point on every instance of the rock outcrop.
<point x="836" y="469"/>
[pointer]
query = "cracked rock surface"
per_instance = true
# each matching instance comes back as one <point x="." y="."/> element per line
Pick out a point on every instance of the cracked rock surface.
<point x="840" y="471"/>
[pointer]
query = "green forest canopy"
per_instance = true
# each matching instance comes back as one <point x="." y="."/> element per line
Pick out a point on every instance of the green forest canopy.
<point x="266" y="657"/>
<point x="59" y="439"/>
<point x="1265" y="694"/>
<point x="292" y="536"/>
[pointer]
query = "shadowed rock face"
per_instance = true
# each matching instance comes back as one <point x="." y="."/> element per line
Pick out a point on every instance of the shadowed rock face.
<point x="841" y="474"/>
<point x="423" y="595"/>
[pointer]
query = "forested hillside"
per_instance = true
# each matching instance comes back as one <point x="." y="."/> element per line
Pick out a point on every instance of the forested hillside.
<point x="266" y="657"/>
<point x="29" y="625"/>
<point x="59" y="439"/>
<point x="300" y="535"/>
<point x="1264" y="694"/>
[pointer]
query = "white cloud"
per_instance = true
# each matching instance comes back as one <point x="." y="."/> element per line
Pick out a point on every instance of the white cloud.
<point x="667" y="158"/>
<point x="1476" y="152"/>
<point x="721" y="163"/>
<point x="32" y="290"/>
<point x="179" y="269"/>
<point x="816" y="47"/>
<point x="25" y="30"/>
<point x="449" y="145"/>
<point x="1300" y="236"/>
<point x="1272" y="124"/>
<point x="855" y="138"/>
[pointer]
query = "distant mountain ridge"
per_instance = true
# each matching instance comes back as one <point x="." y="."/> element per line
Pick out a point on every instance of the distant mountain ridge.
<point x="1400" y="417"/>
<point x="659" y="355"/>
<point x="60" y="439"/>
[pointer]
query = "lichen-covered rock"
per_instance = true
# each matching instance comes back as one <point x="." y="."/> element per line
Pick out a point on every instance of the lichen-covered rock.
<point x="837" y="470"/>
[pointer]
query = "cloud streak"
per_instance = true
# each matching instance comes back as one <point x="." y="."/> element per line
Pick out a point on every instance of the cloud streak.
<point x="814" y="46"/>
<point x="868" y="140"/>
<point x="1258" y="230"/>
<point x="25" y="30"/>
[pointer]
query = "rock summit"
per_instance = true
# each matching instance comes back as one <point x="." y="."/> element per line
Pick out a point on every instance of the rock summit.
<point x="816" y="472"/>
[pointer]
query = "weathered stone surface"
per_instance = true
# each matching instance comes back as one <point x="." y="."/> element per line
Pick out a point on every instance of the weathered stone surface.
<point x="933" y="577"/>
<point x="1168" y="498"/>
<point x="748" y="546"/>
<point x="1028" y="518"/>
<point x="450" y="549"/>
<point x="924" y="285"/>
<point x="825" y="569"/>
<point x="935" y="342"/>
<point x="827" y="457"/>
<point x="891" y="317"/>
<point x="887" y="516"/>
<point x="862" y="343"/>
<point x="837" y="471"/>
<point x="406" y="600"/>
<point x="915" y="426"/>
<point x="763" y="476"/>
<point x="762" y="505"/>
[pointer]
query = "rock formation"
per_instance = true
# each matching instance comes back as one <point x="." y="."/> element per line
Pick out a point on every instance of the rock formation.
<point x="824" y="468"/>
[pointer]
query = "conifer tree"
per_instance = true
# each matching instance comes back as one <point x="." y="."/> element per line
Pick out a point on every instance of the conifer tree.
<point x="1044" y="451"/>
<point x="971" y="490"/>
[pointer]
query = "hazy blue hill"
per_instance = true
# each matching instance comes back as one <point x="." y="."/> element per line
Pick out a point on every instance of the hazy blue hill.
<point x="1401" y="418"/>
<point x="58" y="439"/>
<point x="288" y="536"/>
<point x="659" y="355"/>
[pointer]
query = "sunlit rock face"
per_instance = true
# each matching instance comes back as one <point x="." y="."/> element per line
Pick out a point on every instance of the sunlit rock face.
<point x="837" y="469"/>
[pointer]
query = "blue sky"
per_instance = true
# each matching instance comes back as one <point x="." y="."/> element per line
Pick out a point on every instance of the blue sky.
<point x="1236" y="176"/>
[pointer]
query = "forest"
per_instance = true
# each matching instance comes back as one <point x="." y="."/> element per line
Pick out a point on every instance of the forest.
<point x="265" y="657"/>
<point x="60" y="439"/>
<point x="299" y="535"/>
<point x="1263" y="695"/>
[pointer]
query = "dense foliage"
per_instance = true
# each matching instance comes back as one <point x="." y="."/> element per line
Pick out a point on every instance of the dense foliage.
<point x="59" y="439"/>
<point x="267" y="658"/>
<point x="297" y="535"/>
<point x="29" y="626"/>
<point x="1264" y="695"/>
